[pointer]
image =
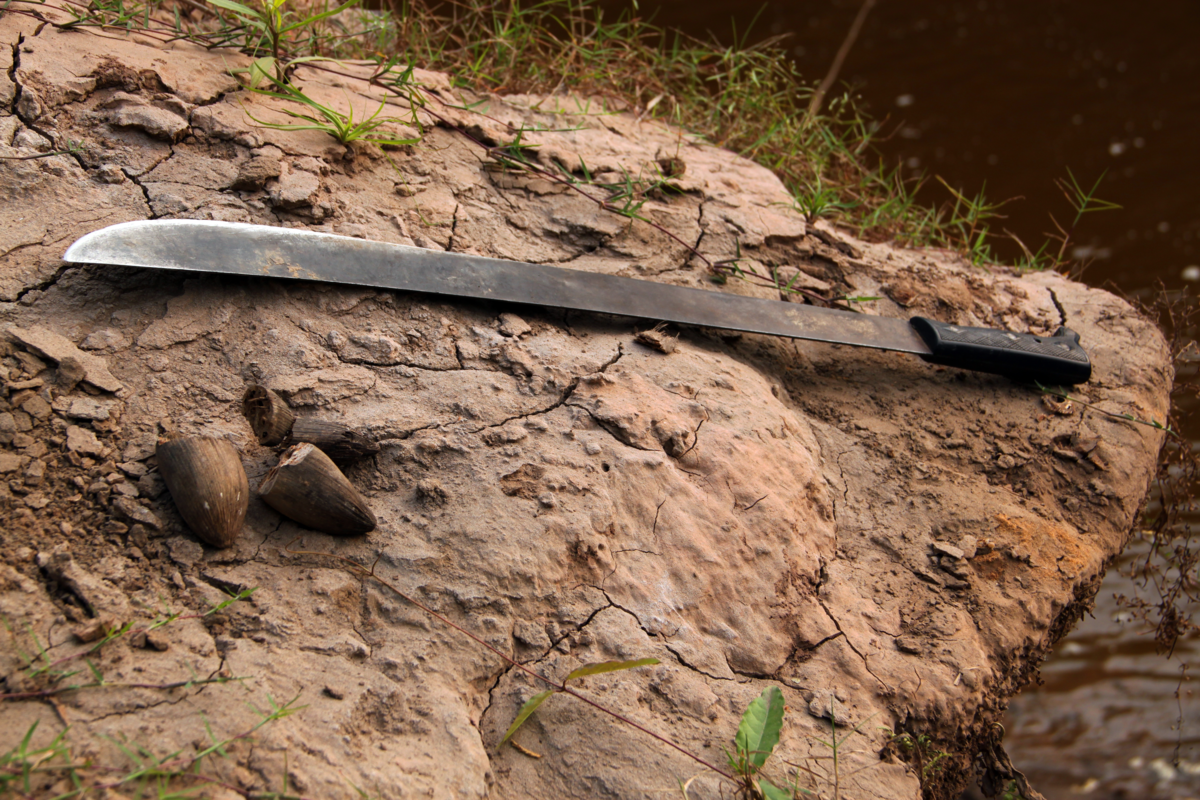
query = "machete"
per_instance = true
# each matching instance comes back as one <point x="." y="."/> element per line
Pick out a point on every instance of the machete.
<point x="234" y="248"/>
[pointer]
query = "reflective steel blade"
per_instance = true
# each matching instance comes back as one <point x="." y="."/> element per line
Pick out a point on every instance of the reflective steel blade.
<point x="233" y="248"/>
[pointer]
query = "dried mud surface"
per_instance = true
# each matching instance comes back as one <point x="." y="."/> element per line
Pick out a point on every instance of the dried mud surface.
<point x="891" y="542"/>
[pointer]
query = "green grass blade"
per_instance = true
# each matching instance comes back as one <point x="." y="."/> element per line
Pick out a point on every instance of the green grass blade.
<point x="772" y="792"/>
<point x="317" y="17"/>
<point x="237" y="8"/>
<point x="530" y="706"/>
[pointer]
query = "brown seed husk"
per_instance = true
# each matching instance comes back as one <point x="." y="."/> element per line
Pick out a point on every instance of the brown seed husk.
<point x="658" y="339"/>
<point x="308" y="487"/>
<point x="268" y="415"/>
<point x="208" y="484"/>
<point x="335" y="439"/>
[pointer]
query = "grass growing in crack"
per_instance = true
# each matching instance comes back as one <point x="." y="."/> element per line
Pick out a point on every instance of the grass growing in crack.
<point x="50" y="677"/>
<point x="270" y="30"/>
<point x="52" y="770"/>
<point x="271" y="33"/>
<point x="926" y="758"/>
<point x="816" y="199"/>
<point x="342" y="127"/>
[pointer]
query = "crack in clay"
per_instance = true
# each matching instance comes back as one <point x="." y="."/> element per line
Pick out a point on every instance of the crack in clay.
<point x="636" y="550"/>
<point x="12" y="71"/>
<point x="266" y="536"/>
<point x="617" y="357"/>
<point x="796" y="648"/>
<point x="545" y="654"/>
<point x="491" y="690"/>
<point x="603" y="425"/>
<point x="762" y="676"/>
<point x="756" y="502"/>
<point x="566" y="395"/>
<point x="699" y="224"/>
<point x="692" y="667"/>
<point x="21" y="246"/>
<point x="683" y="395"/>
<point x="510" y="667"/>
<point x="842" y="475"/>
<point x="222" y="585"/>
<point x="150" y="167"/>
<point x="46" y="284"/>
<point x="145" y="191"/>
<point x="695" y="436"/>
<point x="850" y="644"/>
<point x="453" y="229"/>
<point x="140" y="708"/>
<point x="829" y="638"/>
<point x="562" y="400"/>
<point x="221" y="94"/>
<point x="616" y="553"/>
<point x="1062" y="312"/>
<point x="423" y="367"/>
<point x="657" y="509"/>
<point x="20" y="90"/>
<point x="660" y="637"/>
<point x="402" y="435"/>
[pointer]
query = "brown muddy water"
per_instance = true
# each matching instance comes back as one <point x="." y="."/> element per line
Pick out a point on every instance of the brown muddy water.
<point x="1003" y="97"/>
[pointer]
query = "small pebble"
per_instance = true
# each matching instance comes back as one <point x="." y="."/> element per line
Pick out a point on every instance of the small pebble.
<point x="81" y="440"/>
<point x="945" y="548"/>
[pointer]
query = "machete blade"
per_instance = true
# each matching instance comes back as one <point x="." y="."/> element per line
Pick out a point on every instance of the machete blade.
<point x="234" y="248"/>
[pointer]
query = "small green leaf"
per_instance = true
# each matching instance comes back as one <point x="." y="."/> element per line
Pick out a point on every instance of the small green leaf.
<point x="759" y="732"/>
<point x="237" y="8"/>
<point x="526" y="710"/>
<point x="772" y="792"/>
<point x="609" y="666"/>
<point x="260" y="70"/>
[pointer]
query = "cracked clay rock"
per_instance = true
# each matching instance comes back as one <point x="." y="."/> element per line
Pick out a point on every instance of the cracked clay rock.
<point x="889" y="542"/>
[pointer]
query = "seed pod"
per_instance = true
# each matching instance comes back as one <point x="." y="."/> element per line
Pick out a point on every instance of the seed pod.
<point x="269" y="417"/>
<point x="335" y="439"/>
<point x="206" y="480"/>
<point x="309" y="488"/>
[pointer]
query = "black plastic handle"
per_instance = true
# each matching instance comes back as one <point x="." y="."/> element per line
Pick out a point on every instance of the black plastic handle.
<point x="1053" y="360"/>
